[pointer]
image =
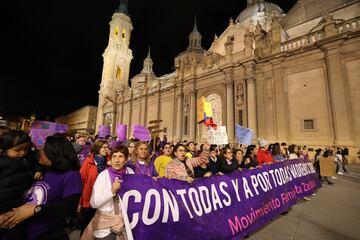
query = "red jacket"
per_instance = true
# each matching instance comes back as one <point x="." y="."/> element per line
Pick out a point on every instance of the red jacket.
<point x="89" y="173"/>
<point x="264" y="157"/>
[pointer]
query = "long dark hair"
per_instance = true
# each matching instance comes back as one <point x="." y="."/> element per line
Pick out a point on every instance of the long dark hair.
<point x="61" y="153"/>
<point x="12" y="138"/>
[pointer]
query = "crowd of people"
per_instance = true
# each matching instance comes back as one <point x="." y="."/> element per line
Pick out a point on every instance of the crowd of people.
<point x="74" y="180"/>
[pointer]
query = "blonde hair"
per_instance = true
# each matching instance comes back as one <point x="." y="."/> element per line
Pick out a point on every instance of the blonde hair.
<point x="134" y="157"/>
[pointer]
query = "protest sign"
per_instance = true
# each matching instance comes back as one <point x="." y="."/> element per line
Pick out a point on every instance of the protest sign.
<point x="104" y="131"/>
<point x="141" y="132"/>
<point x="42" y="129"/>
<point x="220" y="207"/>
<point x="243" y="135"/>
<point x="217" y="136"/>
<point x="121" y="132"/>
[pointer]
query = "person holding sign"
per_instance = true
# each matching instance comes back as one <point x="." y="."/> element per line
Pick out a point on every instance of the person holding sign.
<point x="108" y="222"/>
<point x="181" y="167"/>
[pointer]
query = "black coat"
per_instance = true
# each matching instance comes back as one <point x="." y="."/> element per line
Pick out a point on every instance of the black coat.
<point x="228" y="168"/>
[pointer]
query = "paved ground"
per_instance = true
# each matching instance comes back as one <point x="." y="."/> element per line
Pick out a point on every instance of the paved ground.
<point x="333" y="214"/>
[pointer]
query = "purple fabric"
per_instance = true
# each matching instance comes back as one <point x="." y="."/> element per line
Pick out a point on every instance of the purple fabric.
<point x="148" y="170"/>
<point x="116" y="173"/>
<point x="51" y="190"/>
<point x="141" y="132"/>
<point x="104" y="131"/>
<point x="114" y="144"/>
<point x="41" y="129"/>
<point x="82" y="155"/>
<point x="121" y="132"/>
<point x="220" y="207"/>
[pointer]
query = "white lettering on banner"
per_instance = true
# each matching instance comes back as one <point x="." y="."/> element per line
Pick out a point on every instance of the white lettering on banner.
<point x="137" y="199"/>
<point x="172" y="204"/>
<point x="193" y="202"/>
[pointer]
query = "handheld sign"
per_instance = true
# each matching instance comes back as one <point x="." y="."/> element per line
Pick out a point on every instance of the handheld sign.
<point x="104" y="131"/>
<point x="121" y="132"/>
<point x="243" y="135"/>
<point x="204" y="109"/>
<point x="141" y="132"/>
<point x="218" y="136"/>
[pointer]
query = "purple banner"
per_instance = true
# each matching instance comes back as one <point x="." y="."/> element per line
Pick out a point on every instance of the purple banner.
<point x="104" y="131"/>
<point x="141" y="132"/>
<point x="121" y="132"/>
<point x="219" y="207"/>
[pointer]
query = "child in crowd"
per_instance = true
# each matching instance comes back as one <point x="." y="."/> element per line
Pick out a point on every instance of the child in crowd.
<point x="18" y="170"/>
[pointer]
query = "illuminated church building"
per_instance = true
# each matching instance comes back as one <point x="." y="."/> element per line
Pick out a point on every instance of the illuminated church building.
<point x="291" y="77"/>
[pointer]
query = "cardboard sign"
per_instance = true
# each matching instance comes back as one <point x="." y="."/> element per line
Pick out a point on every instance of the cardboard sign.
<point x="243" y="135"/>
<point x="218" y="136"/>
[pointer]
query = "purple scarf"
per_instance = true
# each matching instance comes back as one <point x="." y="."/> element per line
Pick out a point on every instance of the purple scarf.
<point x="116" y="173"/>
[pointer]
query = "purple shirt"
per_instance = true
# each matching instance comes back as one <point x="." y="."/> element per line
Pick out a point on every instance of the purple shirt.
<point x="85" y="150"/>
<point x="148" y="170"/>
<point x="51" y="190"/>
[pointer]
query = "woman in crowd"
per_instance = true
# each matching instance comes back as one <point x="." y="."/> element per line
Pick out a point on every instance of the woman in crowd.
<point x="141" y="160"/>
<point x="249" y="160"/>
<point x="263" y="155"/>
<point x="227" y="162"/>
<point x="293" y="152"/>
<point x="162" y="160"/>
<point x="238" y="155"/>
<point x="108" y="222"/>
<point x="55" y="197"/>
<point x="94" y="164"/>
<point x="182" y="167"/>
<point x="213" y="159"/>
<point x="278" y="153"/>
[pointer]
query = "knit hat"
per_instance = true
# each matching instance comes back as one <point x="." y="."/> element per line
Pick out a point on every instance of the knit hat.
<point x="262" y="142"/>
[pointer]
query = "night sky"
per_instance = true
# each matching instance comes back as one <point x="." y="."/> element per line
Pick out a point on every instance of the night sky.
<point x="52" y="50"/>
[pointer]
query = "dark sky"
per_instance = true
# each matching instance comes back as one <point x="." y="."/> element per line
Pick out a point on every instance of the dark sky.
<point x="52" y="50"/>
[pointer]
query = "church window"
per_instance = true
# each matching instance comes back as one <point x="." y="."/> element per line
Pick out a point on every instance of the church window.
<point x="309" y="124"/>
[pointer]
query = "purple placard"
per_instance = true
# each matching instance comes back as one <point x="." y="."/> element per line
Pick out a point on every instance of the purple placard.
<point x="41" y="129"/>
<point x="141" y="132"/>
<point x="121" y="132"/>
<point x="104" y="131"/>
<point x="219" y="207"/>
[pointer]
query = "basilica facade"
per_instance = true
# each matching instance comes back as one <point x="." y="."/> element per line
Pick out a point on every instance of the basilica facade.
<point x="291" y="77"/>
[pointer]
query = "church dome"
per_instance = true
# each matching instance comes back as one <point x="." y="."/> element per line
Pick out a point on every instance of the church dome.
<point x="259" y="7"/>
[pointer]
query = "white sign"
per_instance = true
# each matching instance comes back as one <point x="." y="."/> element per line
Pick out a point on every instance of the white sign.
<point x="218" y="136"/>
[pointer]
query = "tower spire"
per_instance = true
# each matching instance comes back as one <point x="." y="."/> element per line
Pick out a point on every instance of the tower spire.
<point x="195" y="25"/>
<point x="149" y="54"/>
<point x="123" y="7"/>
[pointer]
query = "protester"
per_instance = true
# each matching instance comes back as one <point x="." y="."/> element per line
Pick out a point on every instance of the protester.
<point x="339" y="162"/>
<point x="18" y="170"/>
<point x="327" y="168"/>
<point x="162" y="160"/>
<point x="227" y="162"/>
<point x="182" y="167"/>
<point x="263" y="156"/>
<point x="213" y="160"/>
<point x="278" y="153"/>
<point x="90" y="169"/>
<point x="191" y="147"/>
<point x="249" y="160"/>
<point x="238" y="155"/>
<point x="55" y="197"/>
<point x="108" y="222"/>
<point x="293" y="152"/>
<point x="141" y="160"/>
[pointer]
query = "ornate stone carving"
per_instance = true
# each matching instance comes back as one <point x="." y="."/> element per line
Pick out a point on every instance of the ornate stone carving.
<point x="248" y="42"/>
<point x="209" y="59"/>
<point x="239" y="94"/>
<point x="229" y="44"/>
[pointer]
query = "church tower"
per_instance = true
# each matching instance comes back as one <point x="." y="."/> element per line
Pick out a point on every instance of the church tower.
<point x="117" y="58"/>
<point x="195" y="40"/>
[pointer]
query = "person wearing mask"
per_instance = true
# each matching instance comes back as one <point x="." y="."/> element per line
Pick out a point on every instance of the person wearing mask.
<point x="263" y="155"/>
<point x="94" y="164"/>
<point x="162" y="160"/>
